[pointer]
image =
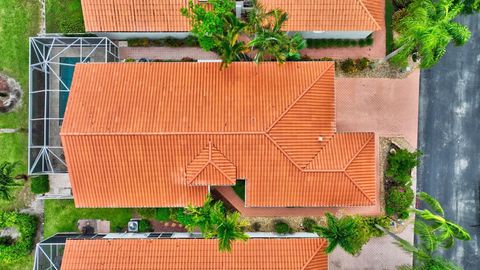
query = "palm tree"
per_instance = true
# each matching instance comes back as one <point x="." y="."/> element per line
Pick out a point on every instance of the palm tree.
<point x="7" y="180"/>
<point x="227" y="45"/>
<point x="269" y="39"/>
<point x="214" y="222"/>
<point x="443" y="229"/>
<point x="424" y="254"/>
<point x="343" y="232"/>
<point x="427" y="30"/>
<point x="231" y="228"/>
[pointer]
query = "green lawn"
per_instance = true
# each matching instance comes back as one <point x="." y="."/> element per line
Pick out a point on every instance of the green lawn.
<point x="24" y="264"/>
<point x="62" y="216"/>
<point x="19" y="20"/>
<point x="64" y="16"/>
<point x="388" y="25"/>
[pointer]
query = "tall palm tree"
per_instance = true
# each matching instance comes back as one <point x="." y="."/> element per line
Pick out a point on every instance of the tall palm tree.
<point x="443" y="229"/>
<point x="227" y="45"/>
<point x="231" y="228"/>
<point x="7" y="180"/>
<point x="424" y="253"/>
<point x="215" y="222"/>
<point x="342" y="232"/>
<point x="427" y="30"/>
<point x="269" y="39"/>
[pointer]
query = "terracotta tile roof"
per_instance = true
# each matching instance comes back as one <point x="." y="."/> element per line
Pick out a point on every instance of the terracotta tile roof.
<point x="198" y="254"/>
<point x="164" y="15"/>
<point x="152" y="134"/>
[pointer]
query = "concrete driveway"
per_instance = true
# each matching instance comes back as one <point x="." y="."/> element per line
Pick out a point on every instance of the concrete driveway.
<point x="449" y="136"/>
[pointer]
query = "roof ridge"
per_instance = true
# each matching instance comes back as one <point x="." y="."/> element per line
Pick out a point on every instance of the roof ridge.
<point x="372" y="135"/>
<point x="220" y="170"/>
<point x="283" y="151"/>
<point x="359" y="188"/>
<point x="198" y="172"/>
<point x="300" y="96"/>
<point x="369" y="14"/>
<point x="322" y="244"/>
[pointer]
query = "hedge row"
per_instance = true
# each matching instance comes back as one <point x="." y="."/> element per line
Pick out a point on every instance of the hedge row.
<point x="328" y="43"/>
<point x="189" y="41"/>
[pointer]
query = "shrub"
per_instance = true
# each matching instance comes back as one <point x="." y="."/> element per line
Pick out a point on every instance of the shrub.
<point x="26" y="226"/>
<point x="308" y="224"/>
<point x="362" y="63"/>
<point x="402" y="3"/>
<point x="325" y="59"/>
<point x="256" y="226"/>
<point x="369" y="224"/>
<point x="6" y="240"/>
<point x="398" y="200"/>
<point x="400" y="165"/>
<point x="146" y="213"/>
<point x="144" y="226"/>
<point x="282" y="227"/>
<point x="369" y="41"/>
<point x="128" y="60"/>
<point x="348" y="66"/>
<point x="188" y="59"/>
<point x="138" y="42"/>
<point x="72" y="25"/>
<point x="40" y="185"/>
<point x="362" y="42"/>
<point x="162" y="214"/>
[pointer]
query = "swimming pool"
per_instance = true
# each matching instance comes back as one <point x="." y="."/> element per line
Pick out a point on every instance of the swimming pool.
<point x="66" y="74"/>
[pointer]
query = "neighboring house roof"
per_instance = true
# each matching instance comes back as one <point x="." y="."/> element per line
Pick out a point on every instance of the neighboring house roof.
<point x="198" y="254"/>
<point x="164" y="15"/>
<point x="158" y="134"/>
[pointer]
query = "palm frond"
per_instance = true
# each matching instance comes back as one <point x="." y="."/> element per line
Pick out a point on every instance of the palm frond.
<point x="432" y="202"/>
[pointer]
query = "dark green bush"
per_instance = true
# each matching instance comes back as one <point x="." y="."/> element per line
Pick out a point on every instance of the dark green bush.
<point x="400" y="165"/>
<point x="163" y="214"/>
<point x="282" y="227"/>
<point x="72" y="25"/>
<point x="40" y="185"/>
<point x="144" y="226"/>
<point x="26" y="226"/>
<point x="348" y="66"/>
<point x="308" y="224"/>
<point x="6" y="240"/>
<point x="369" y="41"/>
<point x="328" y="43"/>
<point x="398" y="200"/>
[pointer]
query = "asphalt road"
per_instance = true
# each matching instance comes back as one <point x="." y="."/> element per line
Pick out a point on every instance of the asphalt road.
<point x="449" y="136"/>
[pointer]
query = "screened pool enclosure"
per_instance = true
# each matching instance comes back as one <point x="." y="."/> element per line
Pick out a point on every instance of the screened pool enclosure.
<point x="52" y="63"/>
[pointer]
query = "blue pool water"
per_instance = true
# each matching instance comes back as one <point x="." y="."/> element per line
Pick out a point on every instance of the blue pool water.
<point x="66" y="74"/>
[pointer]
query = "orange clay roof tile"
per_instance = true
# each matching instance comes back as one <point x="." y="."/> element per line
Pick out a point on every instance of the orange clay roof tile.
<point x="164" y="15"/>
<point x="142" y="135"/>
<point x="198" y="254"/>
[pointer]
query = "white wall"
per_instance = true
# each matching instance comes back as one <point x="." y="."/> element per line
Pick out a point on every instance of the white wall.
<point x="160" y="35"/>
<point x="334" y="34"/>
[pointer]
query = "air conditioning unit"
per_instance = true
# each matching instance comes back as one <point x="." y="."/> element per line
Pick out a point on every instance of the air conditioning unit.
<point x="132" y="226"/>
